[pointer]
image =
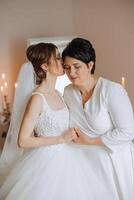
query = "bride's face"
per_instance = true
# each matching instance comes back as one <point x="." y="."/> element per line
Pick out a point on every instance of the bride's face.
<point x="55" y="67"/>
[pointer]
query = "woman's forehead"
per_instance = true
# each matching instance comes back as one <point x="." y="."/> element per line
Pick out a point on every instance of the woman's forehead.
<point x="70" y="60"/>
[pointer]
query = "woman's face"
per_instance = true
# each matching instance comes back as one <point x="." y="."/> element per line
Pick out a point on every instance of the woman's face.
<point x="55" y="66"/>
<point x="76" y="70"/>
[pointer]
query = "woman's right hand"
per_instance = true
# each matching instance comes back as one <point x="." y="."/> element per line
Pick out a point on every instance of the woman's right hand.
<point x="68" y="136"/>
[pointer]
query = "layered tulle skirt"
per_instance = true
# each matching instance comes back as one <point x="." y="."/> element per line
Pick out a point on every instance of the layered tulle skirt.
<point x="62" y="172"/>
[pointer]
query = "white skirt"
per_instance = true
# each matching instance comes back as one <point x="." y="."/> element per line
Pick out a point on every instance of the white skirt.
<point x="63" y="172"/>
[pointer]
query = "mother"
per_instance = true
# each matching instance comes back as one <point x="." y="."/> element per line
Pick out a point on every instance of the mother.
<point x="102" y="111"/>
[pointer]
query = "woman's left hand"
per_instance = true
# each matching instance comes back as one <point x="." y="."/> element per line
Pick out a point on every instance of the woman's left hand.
<point x="82" y="138"/>
<point x="85" y="139"/>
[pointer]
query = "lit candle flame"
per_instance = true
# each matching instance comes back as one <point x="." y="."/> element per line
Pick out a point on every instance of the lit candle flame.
<point x="5" y="84"/>
<point x="1" y="88"/>
<point x="123" y="81"/>
<point x="3" y="76"/>
<point x="15" y="85"/>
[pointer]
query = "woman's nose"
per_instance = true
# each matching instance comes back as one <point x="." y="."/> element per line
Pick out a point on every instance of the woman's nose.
<point x="72" y="71"/>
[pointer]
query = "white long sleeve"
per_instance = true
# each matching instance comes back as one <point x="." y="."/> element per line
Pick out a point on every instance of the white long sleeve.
<point x="121" y="113"/>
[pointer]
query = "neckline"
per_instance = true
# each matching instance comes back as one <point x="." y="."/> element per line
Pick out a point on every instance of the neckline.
<point x="88" y="101"/>
<point x="54" y="110"/>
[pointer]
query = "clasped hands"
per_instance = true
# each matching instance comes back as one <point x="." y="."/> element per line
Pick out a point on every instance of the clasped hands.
<point x="77" y="136"/>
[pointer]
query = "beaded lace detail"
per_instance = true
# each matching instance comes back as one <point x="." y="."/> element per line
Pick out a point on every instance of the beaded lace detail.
<point x="51" y="122"/>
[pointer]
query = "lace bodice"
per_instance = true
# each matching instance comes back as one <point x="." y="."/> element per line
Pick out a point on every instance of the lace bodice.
<point x="51" y="122"/>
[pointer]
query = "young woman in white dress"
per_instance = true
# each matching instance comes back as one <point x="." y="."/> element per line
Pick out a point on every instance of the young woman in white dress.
<point x="40" y="168"/>
<point x="102" y="112"/>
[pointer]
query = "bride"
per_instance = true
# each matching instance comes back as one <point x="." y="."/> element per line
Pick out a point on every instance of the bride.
<point x="34" y="164"/>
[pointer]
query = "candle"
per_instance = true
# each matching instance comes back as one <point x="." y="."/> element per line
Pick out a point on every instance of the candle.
<point x="5" y="89"/>
<point x="5" y="84"/>
<point x="3" y="76"/>
<point x="2" y="88"/>
<point x="123" y="81"/>
<point x="15" y="85"/>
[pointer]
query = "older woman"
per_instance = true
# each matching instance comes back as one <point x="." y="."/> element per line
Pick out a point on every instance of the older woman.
<point x="102" y="113"/>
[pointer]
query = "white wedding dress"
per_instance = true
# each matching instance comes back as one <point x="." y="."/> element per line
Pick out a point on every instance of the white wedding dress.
<point x="62" y="171"/>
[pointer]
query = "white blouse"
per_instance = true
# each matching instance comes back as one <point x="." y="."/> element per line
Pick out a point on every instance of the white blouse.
<point x="108" y="113"/>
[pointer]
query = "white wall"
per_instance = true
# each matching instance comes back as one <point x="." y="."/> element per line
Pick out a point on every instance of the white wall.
<point x="109" y="25"/>
<point x="20" y="20"/>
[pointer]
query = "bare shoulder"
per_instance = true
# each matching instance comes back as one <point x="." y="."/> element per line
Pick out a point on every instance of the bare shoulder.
<point x="35" y="104"/>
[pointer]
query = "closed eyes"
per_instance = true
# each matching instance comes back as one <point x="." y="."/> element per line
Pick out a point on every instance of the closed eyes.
<point x="68" y="67"/>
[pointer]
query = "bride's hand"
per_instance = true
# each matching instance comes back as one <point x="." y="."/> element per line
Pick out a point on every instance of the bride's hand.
<point x="68" y="136"/>
<point x="82" y="138"/>
<point x="86" y="140"/>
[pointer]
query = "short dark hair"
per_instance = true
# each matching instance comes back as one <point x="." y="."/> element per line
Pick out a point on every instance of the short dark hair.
<point x="39" y="54"/>
<point x="80" y="49"/>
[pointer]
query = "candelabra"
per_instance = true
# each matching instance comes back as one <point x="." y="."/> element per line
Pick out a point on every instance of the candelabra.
<point x="5" y="116"/>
